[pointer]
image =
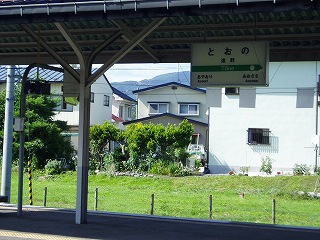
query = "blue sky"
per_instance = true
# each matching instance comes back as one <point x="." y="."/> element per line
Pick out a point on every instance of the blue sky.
<point x="138" y="72"/>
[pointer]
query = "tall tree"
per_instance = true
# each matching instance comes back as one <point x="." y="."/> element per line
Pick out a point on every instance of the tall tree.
<point x="43" y="134"/>
<point x="149" y="140"/>
<point x="100" y="138"/>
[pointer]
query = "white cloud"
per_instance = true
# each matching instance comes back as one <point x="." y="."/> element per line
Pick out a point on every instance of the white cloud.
<point x="138" y="72"/>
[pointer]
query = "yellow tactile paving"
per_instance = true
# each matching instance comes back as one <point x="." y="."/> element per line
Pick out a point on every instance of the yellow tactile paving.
<point x="36" y="236"/>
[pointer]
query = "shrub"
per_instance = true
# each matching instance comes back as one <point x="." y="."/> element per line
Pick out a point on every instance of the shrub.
<point x="119" y="159"/>
<point x="301" y="169"/>
<point x="181" y="155"/>
<point x="132" y="164"/>
<point x="93" y="164"/>
<point x="169" y="169"/>
<point x="244" y="170"/>
<point x="157" y="167"/>
<point x="266" y="165"/>
<point x="174" y="169"/>
<point x="53" y="167"/>
<point x="198" y="163"/>
<point x="177" y="170"/>
<point x="109" y="165"/>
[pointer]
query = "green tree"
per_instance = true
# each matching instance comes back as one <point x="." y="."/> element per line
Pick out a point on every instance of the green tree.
<point x="183" y="134"/>
<point x="2" y="115"/>
<point x="147" y="141"/>
<point x="100" y="138"/>
<point x="43" y="134"/>
<point x="140" y="141"/>
<point x="162" y="138"/>
<point x="2" y="110"/>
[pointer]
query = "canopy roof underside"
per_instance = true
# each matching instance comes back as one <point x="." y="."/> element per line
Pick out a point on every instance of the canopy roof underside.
<point x="291" y="27"/>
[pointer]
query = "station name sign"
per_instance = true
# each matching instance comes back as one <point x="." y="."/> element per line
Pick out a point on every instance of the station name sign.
<point x="230" y="64"/>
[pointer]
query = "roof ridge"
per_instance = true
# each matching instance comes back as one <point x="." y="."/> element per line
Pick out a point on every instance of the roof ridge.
<point x="168" y="84"/>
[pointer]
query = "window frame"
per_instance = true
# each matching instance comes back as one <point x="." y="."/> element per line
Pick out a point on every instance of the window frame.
<point x="258" y="136"/>
<point x="121" y="113"/>
<point x="129" y="112"/>
<point x="158" y="103"/>
<point x="232" y="91"/>
<point x="106" y="100"/>
<point x="188" y="105"/>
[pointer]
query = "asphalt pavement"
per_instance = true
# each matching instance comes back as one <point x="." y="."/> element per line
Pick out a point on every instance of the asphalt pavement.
<point x="57" y="224"/>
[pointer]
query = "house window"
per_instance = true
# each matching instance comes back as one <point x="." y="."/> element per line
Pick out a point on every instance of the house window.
<point x="106" y="100"/>
<point x="120" y="111"/>
<point x="129" y="112"/>
<point x="63" y="105"/>
<point x="195" y="138"/>
<point x="92" y="97"/>
<point x="258" y="136"/>
<point x="156" y="108"/>
<point x="189" y="109"/>
<point x="231" y="91"/>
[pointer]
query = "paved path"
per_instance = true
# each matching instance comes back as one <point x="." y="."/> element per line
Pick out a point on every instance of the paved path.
<point x="58" y="224"/>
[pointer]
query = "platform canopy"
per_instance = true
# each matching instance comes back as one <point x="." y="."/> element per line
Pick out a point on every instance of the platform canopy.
<point x="291" y="26"/>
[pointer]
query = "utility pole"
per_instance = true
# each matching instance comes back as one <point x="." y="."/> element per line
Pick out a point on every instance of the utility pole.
<point x="8" y="134"/>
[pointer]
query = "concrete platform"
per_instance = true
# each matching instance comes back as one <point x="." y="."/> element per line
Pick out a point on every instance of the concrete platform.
<point x="56" y="224"/>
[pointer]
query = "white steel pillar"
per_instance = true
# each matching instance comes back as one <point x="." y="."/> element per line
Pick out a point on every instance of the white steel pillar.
<point x="83" y="151"/>
<point x="7" y="136"/>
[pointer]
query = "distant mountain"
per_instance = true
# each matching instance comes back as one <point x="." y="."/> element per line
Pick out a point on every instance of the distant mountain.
<point x="128" y="86"/>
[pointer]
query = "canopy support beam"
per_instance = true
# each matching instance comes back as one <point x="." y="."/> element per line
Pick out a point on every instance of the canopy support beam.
<point x="126" y="49"/>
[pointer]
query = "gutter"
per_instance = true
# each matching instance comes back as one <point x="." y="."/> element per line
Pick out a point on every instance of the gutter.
<point x="50" y="7"/>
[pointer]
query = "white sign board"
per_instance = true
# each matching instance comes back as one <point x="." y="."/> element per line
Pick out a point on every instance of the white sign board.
<point x="230" y="64"/>
<point x="19" y="124"/>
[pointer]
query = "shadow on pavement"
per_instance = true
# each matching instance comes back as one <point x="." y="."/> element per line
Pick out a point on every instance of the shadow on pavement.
<point x="39" y="223"/>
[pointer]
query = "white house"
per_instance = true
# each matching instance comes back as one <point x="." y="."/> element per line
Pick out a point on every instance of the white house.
<point x="278" y="121"/>
<point x="171" y="103"/>
<point x="100" y="109"/>
<point x="107" y="104"/>
<point x="100" y="98"/>
<point x="105" y="100"/>
<point x="122" y="108"/>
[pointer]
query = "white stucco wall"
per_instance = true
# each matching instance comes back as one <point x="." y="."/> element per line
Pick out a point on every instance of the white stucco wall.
<point x="98" y="112"/>
<point x="126" y="108"/>
<point x="116" y="103"/>
<point x="291" y="128"/>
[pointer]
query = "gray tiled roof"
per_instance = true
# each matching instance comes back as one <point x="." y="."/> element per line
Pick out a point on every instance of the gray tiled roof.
<point x="46" y="74"/>
<point x="122" y="95"/>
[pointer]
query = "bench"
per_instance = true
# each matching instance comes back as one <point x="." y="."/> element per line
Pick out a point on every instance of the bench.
<point x="3" y="198"/>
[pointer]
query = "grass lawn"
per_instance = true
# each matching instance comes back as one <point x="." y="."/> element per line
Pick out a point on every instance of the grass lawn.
<point x="186" y="196"/>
